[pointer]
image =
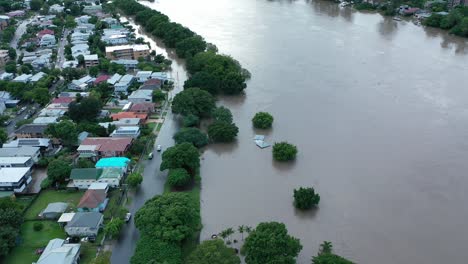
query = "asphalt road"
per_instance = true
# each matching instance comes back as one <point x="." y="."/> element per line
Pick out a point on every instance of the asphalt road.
<point x="61" y="49"/>
<point x="153" y="184"/>
<point x="20" y="30"/>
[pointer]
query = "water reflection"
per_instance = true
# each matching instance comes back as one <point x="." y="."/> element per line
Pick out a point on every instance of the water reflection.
<point x="221" y="148"/>
<point x="459" y="45"/>
<point x="283" y="166"/>
<point x="387" y="27"/>
<point x="331" y="9"/>
<point x="306" y="214"/>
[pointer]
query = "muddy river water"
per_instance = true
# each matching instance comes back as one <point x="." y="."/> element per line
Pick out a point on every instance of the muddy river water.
<point x="378" y="109"/>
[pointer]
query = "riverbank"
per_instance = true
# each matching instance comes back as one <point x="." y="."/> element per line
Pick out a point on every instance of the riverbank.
<point x="228" y="78"/>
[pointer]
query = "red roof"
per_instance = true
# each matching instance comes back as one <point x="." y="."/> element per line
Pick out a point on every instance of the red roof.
<point x="63" y="100"/>
<point x="142" y="106"/>
<point x="101" y="79"/>
<point x="92" y="199"/>
<point x="153" y="82"/>
<point x="106" y="144"/>
<point x="121" y="115"/>
<point x="45" y="32"/>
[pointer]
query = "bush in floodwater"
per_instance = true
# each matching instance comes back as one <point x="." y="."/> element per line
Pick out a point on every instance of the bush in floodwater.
<point x="283" y="151"/>
<point x="305" y="198"/>
<point x="262" y="120"/>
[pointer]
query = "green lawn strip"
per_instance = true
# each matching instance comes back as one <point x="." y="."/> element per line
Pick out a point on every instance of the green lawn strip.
<point x="151" y="125"/>
<point x="32" y="240"/>
<point x="113" y="204"/>
<point x="25" y="201"/>
<point x="52" y="196"/>
<point x="88" y="252"/>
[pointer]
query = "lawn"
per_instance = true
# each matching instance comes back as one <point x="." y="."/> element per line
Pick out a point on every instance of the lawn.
<point x="51" y="196"/>
<point x="32" y="240"/>
<point x="88" y="252"/>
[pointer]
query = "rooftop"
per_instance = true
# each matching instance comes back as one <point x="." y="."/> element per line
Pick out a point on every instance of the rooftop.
<point x="135" y="47"/>
<point x="57" y="251"/>
<point x="85" y="219"/>
<point x="85" y="174"/>
<point x="18" y="152"/>
<point x="31" y="128"/>
<point x="91" y="57"/>
<point x="14" y="160"/>
<point x="12" y="174"/>
<point x="119" y="162"/>
<point x="66" y="217"/>
<point x="90" y="199"/>
<point x="121" y="115"/>
<point x="106" y="144"/>
<point x="141" y="94"/>
<point x="111" y="173"/>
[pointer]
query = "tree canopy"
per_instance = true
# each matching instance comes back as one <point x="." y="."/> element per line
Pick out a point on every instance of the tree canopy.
<point x="262" y="120"/>
<point x="221" y="131"/>
<point x="11" y="218"/>
<point x="191" y="135"/>
<point x="87" y="109"/>
<point x="65" y="130"/>
<point x="3" y="136"/>
<point x="283" y="151"/>
<point x="270" y="243"/>
<point x="305" y="198"/>
<point x="169" y="217"/>
<point x="178" y="178"/>
<point x="193" y="101"/>
<point x="58" y="170"/>
<point x="222" y="114"/>
<point x="183" y="155"/>
<point x="152" y="250"/>
<point x="213" y="251"/>
<point x="325" y="256"/>
<point x="134" y="179"/>
<point x="113" y="227"/>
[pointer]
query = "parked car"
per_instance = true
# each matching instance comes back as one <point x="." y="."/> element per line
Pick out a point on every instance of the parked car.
<point x="150" y="156"/>
<point x="22" y="109"/>
<point x="72" y="240"/>
<point x="127" y="217"/>
<point x="6" y="123"/>
<point x="158" y="148"/>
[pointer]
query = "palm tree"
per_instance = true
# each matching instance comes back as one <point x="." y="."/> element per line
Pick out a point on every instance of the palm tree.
<point x="248" y="229"/>
<point x="241" y="230"/>
<point x="326" y="247"/>
<point x="223" y="234"/>
<point x="229" y="232"/>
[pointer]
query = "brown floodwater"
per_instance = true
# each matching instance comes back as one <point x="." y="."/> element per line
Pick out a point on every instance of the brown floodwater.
<point x="378" y="110"/>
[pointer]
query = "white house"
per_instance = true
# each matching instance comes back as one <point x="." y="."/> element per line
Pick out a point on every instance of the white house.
<point x="143" y="76"/>
<point x="47" y="41"/>
<point x="80" y="49"/>
<point x="56" y="9"/>
<point x="84" y="224"/>
<point x="114" y="79"/>
<point x="115" y="39"/>
<point x="23" y="78"/>
<point x="16" y="162"/>
<point x="14" y="179"/>
<point x="141" y="96"/>
<point x="31" y="152"/>
<point x="128" y="64"/>
<point x="82" y="83"/>
<point x="126" y="131"/>
<point x="123" y="84"/>
<point x="60" y="251"/>
<point x="36" y="77"/>
<point x="111" y="176"/>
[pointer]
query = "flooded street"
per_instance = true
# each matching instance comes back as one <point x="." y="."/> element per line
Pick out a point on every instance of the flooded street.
<point x="378" y="110"/>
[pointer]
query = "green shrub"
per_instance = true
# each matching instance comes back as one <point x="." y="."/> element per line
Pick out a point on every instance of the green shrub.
<point x="283" y="151"/>
<point x="305" y="198"/>
<point x="38" y="226"/>
<point x="262" y="120"/>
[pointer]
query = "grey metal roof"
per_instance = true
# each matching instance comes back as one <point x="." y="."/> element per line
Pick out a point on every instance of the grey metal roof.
<point x="55" y="208"/>
<point x="85" y="219"/>
<point x="25" y="151"/>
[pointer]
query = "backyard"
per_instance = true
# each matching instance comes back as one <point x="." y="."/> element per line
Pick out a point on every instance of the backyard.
<point x="51" y="196"/>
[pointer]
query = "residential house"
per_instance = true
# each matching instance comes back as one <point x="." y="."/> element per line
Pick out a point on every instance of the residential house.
<point x="6" y="98"/>
<point x="54" y="210"/>
<point x="70" y="64"/>
<point x="111" y="177"/>
<point x="73" y="94"/>
<point x="6" y="76"/>
<point x="92" y="9"/>
<point x="23" y="78"/>
<point x="160" y="76"/>
<point x="133" y="52"/>
<point x="128" y="64"/>
<point x="82" y="19"/>
<point x="44" y="32"/>
<point x="126" y="131"/>
<point x="141" y="96"/>
<point x="29" y="152"/>
<point x="45" y="120"/>
<point x="115" y="39"/>
<point x="52" y="112"/>
<point x="85" y="28"/>
<point x="83" y="178"/>
<point x="63" y="100"/>
<point x="84" y="224"/>
<point x="48" y="41"/>
<point x="82" y="136"/>
<point x="60" y="251"/>
<point x="101" y="78"/>
<point x="14" y="179"/>
<point x="93" y="201"/>
<point x="143" y="76"/>
<point x="91" y="60"/>
<point x="126" y="122"/>
<point x="146" y="108"/>
<point x="121" y="163"/>
<point x="44" y="144"/>
<point x="55" y="9"/>
<point x="123" y="84"/>
<point x="79" y="38"/>
<point x="36" y="77"/>
<point x="104" y="147"/>
<point x="151" y="84"/>
<point x="4" y="21"/>
<point x="82" y="83"/>
<point x="16" y="162"/>
<point x="31" y="131"/>
<point x="80" y="49"/>
<point x="114" y="79"/>
<point x="102" y="186"/>
<point x="16" y="13"/>
<point x="121" y="115"/>
<point x="110" y="21"/>
<point x="4" y="57"/>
